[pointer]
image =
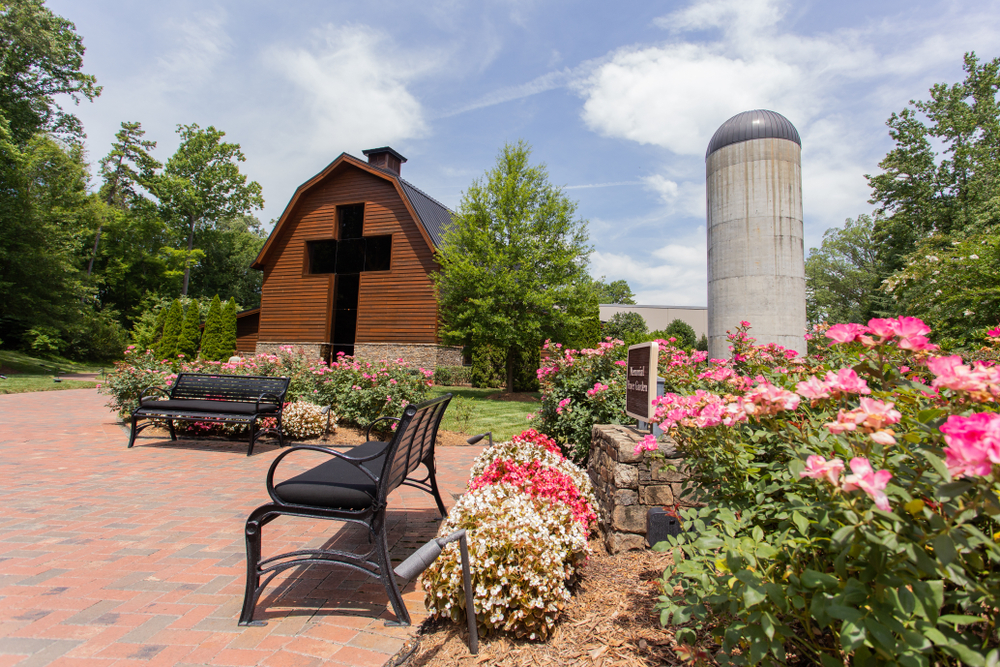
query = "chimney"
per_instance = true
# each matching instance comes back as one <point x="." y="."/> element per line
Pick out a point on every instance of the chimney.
<point x="385" y="158"/>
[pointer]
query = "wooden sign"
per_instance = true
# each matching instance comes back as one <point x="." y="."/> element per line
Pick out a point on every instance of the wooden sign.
<point x="640" y="380"/>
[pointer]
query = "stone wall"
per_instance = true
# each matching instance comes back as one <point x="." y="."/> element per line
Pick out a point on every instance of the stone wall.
<point x="311" y="350"/>
<point x="423" y="355"/>
<point x="629" y="484"/>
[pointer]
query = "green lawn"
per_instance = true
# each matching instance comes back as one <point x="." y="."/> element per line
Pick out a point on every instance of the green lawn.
<point x="26" y="373"/>
<point x="471" y="412"/>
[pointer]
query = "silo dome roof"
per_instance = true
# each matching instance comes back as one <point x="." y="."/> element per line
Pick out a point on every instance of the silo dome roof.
<point x="756" y="124"/>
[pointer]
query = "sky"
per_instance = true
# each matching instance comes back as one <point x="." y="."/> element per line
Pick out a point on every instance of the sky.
<point x="618" y="100"/>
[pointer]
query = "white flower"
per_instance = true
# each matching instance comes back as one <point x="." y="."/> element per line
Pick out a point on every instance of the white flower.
<point x="973" y="256"/>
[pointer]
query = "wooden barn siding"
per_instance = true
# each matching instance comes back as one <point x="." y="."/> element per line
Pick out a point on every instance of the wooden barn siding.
<point x="393" y="306"/>
<point x="246" y="333"/>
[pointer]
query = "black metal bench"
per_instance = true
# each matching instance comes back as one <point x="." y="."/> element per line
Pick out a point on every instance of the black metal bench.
<point x="352" y="486"/>
<point x="233" y="399"/>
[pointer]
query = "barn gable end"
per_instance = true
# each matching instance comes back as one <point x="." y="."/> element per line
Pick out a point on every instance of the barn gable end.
<point x="395" y="314"/>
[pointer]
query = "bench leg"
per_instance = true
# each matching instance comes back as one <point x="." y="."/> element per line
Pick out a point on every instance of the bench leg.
<point x="135" y="422"/>
<point x="432" y="480"/>
<point x="253" y="435"/>
<point x="253" y="536"/>
<point x="388" y="577"/>
<point x="170" y="425"/>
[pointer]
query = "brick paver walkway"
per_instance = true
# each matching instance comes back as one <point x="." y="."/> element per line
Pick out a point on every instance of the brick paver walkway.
<point x="116" y="556"/>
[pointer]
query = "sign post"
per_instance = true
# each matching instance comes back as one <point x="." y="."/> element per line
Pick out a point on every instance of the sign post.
<point x="640" y="380"/>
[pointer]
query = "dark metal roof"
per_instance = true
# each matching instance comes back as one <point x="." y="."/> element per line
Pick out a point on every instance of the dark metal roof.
<point x="756" y="124"/>
<point x="434" y="215"/>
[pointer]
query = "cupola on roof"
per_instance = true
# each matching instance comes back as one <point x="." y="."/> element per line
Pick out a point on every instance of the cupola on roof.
<point x="756" y="124"/>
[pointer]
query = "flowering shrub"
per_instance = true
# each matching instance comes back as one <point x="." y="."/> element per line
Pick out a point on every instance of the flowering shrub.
<point x="851" y="501"/>
<point x="527" y="512"/>
<point x="531" y="447"/>
<point x="302" y="420"/>
<point x="358" y="391"/>
<point x="581" y="388"/>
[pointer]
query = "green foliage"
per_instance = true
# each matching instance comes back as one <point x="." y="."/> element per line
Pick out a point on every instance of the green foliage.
<point x="617" y="291"/>
<point x="702" y="345"/>
<point x="41" y="57"/>
<point x="627" y="326"/>
<point x="686" y="339"/>
<point x="213" y="339"/>
<point x="778" y="565"/>
<point x="228" y="347"/>
<point x="489" y="368"/>
<point x="190" y="336"/>
<point x="452" y="375"/>
<point x="512" y="262"/>
<point x="580" y="389"/>
<point x="224" y="267"/>
<point x="201" y="185"/>
<point x="172" y="325"/>
<point x="921" y="192"/>
<point x="953" y="285"/>
<point x="843" y="276"/>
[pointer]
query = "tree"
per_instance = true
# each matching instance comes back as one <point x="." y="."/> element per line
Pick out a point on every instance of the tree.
<point x="616" y="291"/>
<point x="41" y="57"/>
<point x="201" y="185"/>
<point x="171" y="331"/>
<point x="683" y="332"/>
<point x="229" y="249"/>
<point x="228" y="347"/>
<point x="843" y="275"/>
<point x="513" y="261"/>
<point x="920" y="192"/>
<point x="212" y="340"/>
<point x="626" y="326"/>
<point x="190" y="336"/>
<point x="124" y="170"/>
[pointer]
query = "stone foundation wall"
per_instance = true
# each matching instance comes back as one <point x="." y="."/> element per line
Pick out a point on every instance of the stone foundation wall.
<point x="628" y="485"/>
<point x="312" y="350"/>
<point x="423" y="355"/>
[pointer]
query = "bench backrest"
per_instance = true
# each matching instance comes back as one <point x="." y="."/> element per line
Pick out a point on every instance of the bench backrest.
<point x="414" y="439"/>
<point x="236" y="388"/>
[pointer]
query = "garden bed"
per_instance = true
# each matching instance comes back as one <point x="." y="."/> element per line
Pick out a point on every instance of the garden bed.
<point x="610" y="622"/>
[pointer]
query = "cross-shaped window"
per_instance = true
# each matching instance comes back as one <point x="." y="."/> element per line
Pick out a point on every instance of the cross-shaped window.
<point x="347" y="256"/>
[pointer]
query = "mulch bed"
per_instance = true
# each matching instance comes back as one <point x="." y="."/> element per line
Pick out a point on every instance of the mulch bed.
<point x="610" y="622"/>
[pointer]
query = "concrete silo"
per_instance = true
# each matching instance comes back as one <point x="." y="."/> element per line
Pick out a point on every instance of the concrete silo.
<point x="756" y="264"/>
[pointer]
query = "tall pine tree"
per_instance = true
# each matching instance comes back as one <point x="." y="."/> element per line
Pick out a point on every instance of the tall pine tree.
<point x="187" y="343"/>
<point x="211" y="342"/>
<point x="171" y="331"/>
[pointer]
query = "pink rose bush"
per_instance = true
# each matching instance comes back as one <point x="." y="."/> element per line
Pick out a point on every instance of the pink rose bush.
<point x="871" y="464"/>
<point x="528" y="511"/>
<point x="359" y="391"/>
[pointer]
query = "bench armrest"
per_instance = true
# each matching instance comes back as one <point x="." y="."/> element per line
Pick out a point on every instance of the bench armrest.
<point x="277" y="401"/>
<point x="356" y="462"/>
<point x="145" y="393"/>
<point x="368" y="429"/>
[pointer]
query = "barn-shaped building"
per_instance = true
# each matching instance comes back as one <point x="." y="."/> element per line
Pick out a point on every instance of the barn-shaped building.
<point x="347" y="268"/>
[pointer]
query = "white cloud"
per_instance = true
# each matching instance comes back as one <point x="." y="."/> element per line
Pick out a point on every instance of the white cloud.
<point x="354" y="88"/>
<point x="201" y="44"/>
<point x="837" y="87"/>
<point x="674" y="274"/>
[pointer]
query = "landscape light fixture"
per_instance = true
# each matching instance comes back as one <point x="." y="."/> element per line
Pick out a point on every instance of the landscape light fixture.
<point x="476" y="438"/>
<point x="421" y="559"/>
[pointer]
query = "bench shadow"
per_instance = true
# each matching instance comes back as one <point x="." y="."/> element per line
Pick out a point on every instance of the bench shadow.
<point x="339" y="590"/>
<point x="207" y="444"/>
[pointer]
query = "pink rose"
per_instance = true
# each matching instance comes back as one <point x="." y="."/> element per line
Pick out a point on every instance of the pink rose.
<point x="845" y="333"/>
<point x="817" y="467"/>
<point x="866" y="479"/>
